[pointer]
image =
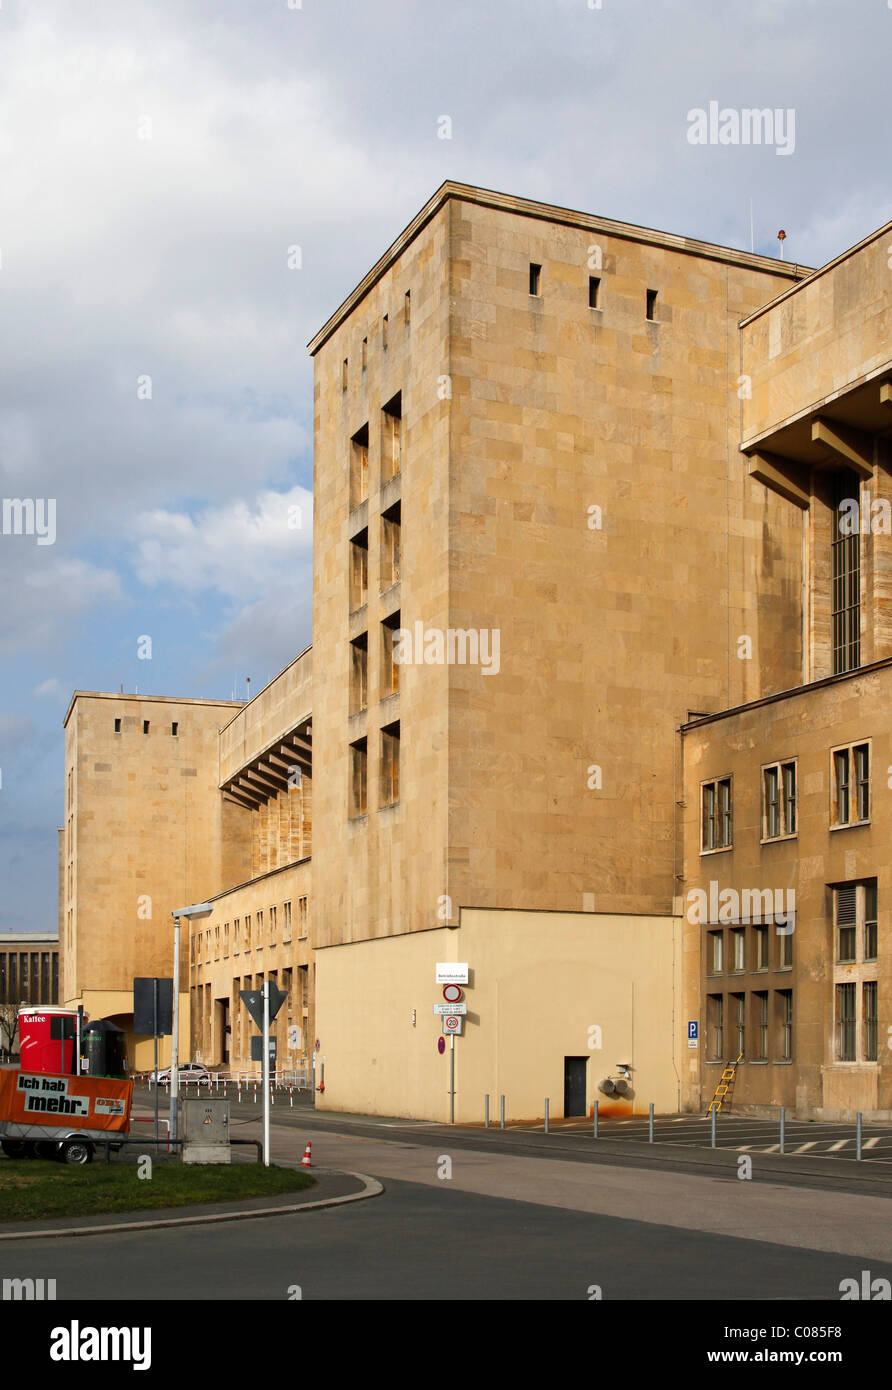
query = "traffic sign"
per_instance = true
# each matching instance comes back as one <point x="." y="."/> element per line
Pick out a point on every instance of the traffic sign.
<point x="452" y="993"/>
<point x="441" y="1045"/>
<point x="453" y="1023"/>
<point x="693" y="1033"/>
<point x="452" y="972"/>
<point x="446" y="1010"/>
<point x="253" y="1002"/>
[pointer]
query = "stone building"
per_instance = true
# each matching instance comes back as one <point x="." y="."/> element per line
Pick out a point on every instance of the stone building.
<point x="581" y="603"/>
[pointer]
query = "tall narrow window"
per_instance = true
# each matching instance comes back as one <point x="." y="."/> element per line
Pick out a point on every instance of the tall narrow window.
<point x="535" y="277"/>
<point x="390" y="764"/>
<point x="869" y="1017"/>
<point x="845" y="1023"/>
<point x="390" y="546"/>
<point x="145" y="726"/>
<point x="286" y="922"/>
<point x="651" y="304"/>
<point x="391" y="437"/>
<point x="760" y="1026"/>
<point x="359" y="569"/>
<point x="302" y="917"/>
<point x="850" y="785"/>
<point x="845" y="564"/>
<point x="738" y="1004"/>
<point x="359" y="467"/>
<point x="845" y="923"/>
<point x="390" y="667"/>
<point x="365" y="353"/>
<point x="408" y="308"/>
<point x="716" y="954"/>
<point x="594" y="291"/>
<point x="344" y="375"/>
<point x="715" y="1027"/>
<point x="359" y="673"/>
<point x="716" y="814"/>
<point x="117" y="729"/>
<point x="785" y="1020"/>
<point x="385" y="325"/>
<point x="358" y="778"/>
<point x="738" y="948"/>
<point x="772" y="802"/>
<point x="870" y="921"/>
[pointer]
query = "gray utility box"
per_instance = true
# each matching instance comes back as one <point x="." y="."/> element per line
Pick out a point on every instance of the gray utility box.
<point x="204" y="1129"/>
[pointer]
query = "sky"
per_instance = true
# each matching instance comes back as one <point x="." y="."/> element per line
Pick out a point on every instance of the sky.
<point x="159" y="163"/>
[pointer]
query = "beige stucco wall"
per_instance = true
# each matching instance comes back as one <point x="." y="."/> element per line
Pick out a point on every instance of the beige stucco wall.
<point x="540" y="982"/>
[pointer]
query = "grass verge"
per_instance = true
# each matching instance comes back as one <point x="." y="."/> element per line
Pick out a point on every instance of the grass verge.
<point x="31" y="1189"/>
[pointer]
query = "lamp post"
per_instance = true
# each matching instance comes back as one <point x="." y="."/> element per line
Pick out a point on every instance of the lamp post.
<point x="196" y="910"/>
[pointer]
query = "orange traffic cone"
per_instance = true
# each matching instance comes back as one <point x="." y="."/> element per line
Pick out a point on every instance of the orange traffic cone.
<point x="305" y="1161"/>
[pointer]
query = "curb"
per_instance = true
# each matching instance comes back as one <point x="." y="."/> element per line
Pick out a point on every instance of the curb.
<point x="371" y="1188"/>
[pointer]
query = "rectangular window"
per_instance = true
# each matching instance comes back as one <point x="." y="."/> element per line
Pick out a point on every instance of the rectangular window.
<point x="359" y="570"/>
<point x="145" y="726"/>
<point x="845" y="565"/>
<point x="225" y="939"/>
<point x="390" y="667"/>
<point x="344" y="375"/>
<point x="258" y="938"/>
<point x="846" y="929"/>
<point x="784" y="949"/>
<point x="594" y="291"/>
<point x="385" y="325"/>
<point x="850" y="785"/>
<point x="861" y="756"/>
<point x="784" y="999"/>
<point x="302" y="917"/>
<point x="870" y="921"/>
<point x="117" y="729"/>
<point x="390" y="546"/>
<point x="236" y="936"/>
<point x="716" y="814"/>
<point x="716" y="952"/>
<point x="174" y="729"/>
<point x="845" y="1023"/>
<point x="869" y="1019"/>
<point x="788" y="772"/>
<point x="761" y="935"/>
<point x="408" y="308"/>
<point x="365" y="353"/>
<point x="715" y="1026"/>
<point x="247" y="931"/>
<point x="359" y="467"/>
<point x="273" y="915"/>
<point x="738" y="947"/>
<point x="738" y="1005"/>
<point x="358" y="778"/>
<point x="304" y="972"/>
<point x="535" y="277"/>
<point x="760" y="1025"/>
<point x="390" y="764"/>
<point x="286" y="922"/>
<point x="391" y="440"/>
<point x="778" y="800"/>
<point x="771" y="781"/>
<point x="359" y="673"/>
<point x="651" y="304"/>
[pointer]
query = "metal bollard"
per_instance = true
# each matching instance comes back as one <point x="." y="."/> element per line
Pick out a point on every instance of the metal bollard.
<point x="712" y="1127"/>
<point x="650" y="1123"/>
<point x="502" y="1123"/>
<point x="783" y="1127"/>
<point x="858" y="1135"/>
<point x="486" y="1112"/>
<point x="546" y="1114"/>
<point x="255" y="1092"/>
<point x="291" y="1097"/>
<point x="595" y="1133"/>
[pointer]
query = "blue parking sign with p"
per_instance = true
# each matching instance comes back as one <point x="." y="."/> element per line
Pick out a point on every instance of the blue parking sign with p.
<point x="692" y="1029"/>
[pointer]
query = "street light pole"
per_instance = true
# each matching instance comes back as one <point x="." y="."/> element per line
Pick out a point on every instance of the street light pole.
<point x="196" y="910"/>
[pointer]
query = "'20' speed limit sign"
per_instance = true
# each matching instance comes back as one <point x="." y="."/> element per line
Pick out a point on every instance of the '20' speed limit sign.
<point x="452" y="1023"/>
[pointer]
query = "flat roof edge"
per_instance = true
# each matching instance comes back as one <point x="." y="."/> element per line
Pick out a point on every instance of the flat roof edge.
<point x="549" y="212"/>
<point x="883" y="231"/>
<point x="789" y="694"/>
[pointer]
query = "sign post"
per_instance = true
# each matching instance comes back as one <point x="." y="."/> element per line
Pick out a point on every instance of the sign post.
<point x="153" y="1013"/>
<point x="263" y="1005"/>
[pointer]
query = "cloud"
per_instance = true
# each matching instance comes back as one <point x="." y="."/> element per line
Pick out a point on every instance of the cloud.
<point x="239" y="550"/>
<point x="53" y="689"/>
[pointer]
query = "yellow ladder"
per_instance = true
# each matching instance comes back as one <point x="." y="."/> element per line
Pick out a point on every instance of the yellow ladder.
<point x="723" y="1088"/>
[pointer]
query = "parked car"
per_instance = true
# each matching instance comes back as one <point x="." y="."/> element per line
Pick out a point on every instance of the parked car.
<point x="189" y="1071"/>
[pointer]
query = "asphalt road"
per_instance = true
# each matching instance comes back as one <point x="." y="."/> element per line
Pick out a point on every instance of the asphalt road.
<point x="422" y="1243"/>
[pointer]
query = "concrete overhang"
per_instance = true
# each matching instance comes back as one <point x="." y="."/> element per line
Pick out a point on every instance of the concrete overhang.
<point x="272" y="770"/>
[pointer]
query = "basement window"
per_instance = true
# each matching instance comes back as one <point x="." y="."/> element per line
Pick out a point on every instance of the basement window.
<point x="535" y="277"/>
<point x="594" y="291"/>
